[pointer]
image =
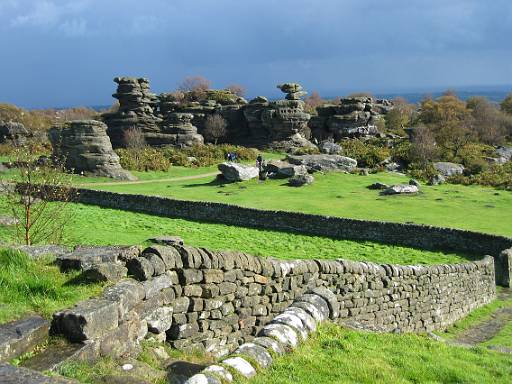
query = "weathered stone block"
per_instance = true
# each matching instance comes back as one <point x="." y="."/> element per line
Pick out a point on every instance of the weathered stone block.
<point x="160" y="320"/>
<point x="255" y="352"/>
<point x="141" y="268"/>
<point x="213" y="276"/>
<point x="10" y="374"/>
<point x="242" y="366"/>
<point x="87" y="320"/>
<point x="105" y="272"/>
<point x="21" y="336"/>
<point x="284" y="334"/>
<point x="156" y="284"/>
<point x="126" y="294"/>
<point x="190" y="276"/>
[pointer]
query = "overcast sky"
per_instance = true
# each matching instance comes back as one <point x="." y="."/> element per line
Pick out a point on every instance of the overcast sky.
<point x="66" y="52"/>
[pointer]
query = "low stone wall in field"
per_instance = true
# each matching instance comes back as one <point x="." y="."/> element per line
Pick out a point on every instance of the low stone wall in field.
<point x="413" y="235"/>
<point x="197" y="298"/>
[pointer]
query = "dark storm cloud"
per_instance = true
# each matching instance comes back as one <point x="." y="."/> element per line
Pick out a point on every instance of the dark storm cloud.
<point x="57" y="52"/>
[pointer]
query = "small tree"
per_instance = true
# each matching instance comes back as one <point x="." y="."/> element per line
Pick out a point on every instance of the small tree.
<point x="215" y="128"/>
<point x="423" y="149"/>
<point x="236" y="89"/>
<point x="313" y="101"/>
<point x="38" y="195"/>
<point x="134" y="138"/>
<point x="506" y="105"/>
<point x="195" y="86"/>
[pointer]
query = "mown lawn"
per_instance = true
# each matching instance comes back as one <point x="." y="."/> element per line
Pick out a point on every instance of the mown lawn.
<point x="29" y="286"/>
<point x="338" y="355"/>
<point x="468" y="207"/>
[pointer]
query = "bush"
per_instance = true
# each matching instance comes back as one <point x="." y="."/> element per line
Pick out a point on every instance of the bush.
<point x="367" y="154"/>
<point x="498" y="176"/>
<point x="145" y="159"/>
<point x="207" y="155"/>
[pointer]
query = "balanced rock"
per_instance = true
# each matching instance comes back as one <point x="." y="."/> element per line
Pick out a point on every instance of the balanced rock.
<point x="323" y="162"/>
<point x="238" y="172"/>
<point x="85" y="148"/>
<point x="136" y="110"/>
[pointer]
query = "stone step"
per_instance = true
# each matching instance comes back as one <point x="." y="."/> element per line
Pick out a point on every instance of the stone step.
<point x="10" y="374"/>
<point x="55" y="355"/>
<point x="21" y="336"/>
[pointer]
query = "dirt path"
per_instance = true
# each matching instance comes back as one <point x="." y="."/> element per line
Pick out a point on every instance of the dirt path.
<point x="182" y="178"/>
<point x="486" y="330"/>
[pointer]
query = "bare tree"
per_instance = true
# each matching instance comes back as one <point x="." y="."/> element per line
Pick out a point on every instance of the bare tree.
<point x="196" y="85"/>
<point x="38" y="196"/>
<point x="423" y="148"/>
<point x="236" y="89"/>
<point x="313" y="101"/>
<point x="215" y="127"/>
<point x="134" y="138"/>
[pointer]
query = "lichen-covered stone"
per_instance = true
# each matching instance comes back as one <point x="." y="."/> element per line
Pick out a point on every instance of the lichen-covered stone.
<point x="242" y="366"/>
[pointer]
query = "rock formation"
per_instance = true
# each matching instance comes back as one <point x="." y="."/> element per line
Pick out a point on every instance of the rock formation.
<point x="176" y="130"/>
<point x="285" y="120"/>
<point x="221" y="102"/>
<point x="13" y="133"/>
<point x="136" y="109"/>
<point x="85" y="147"/>
<point x="315" y="163"/>
<point x="351" y="117"/>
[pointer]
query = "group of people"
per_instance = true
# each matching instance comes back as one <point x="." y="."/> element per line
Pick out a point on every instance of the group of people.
<point x="231" y="156"/>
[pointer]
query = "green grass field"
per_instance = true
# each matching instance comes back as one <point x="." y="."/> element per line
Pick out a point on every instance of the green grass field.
<point x="337" y="355"/>
<point x="28" y="286"/>
<point x="100" y="226"/>
<point x="468" y="207"/>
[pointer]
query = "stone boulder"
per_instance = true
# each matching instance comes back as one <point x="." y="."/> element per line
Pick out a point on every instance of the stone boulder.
<point x="85" y="147"/>
<point x="281" y="169"/>
<point x="504" y="154"/>
<point x="323" y="162"/>
<point x="13" y="133"/>
<point x="449" y="169"/>
<point x="300" y="180"/>
<point x="400" y="189"/>
<point x="330" y="148"/>
<point x="238" y="172"/>
<point x="378" y="186"/>
<point x="436" y="180"/>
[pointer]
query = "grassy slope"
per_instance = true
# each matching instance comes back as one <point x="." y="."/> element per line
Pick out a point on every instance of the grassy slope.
<point x="469" y="207"/>
<point x="94" y="225"/>
<point x="337" y="355"/>
<point x="480" y="315"/>
<point x="37" y="286"/>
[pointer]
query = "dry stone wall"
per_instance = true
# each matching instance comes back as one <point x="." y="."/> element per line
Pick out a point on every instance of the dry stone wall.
<point x="413" y="235"/>
<point x="216" y="301"/>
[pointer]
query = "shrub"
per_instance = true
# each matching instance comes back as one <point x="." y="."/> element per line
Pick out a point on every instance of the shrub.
<point x="206" y="155"/>
<point x="236" y="89"/>
<point x="367" y="154"/>
<point x="134" y="138"/>
<point x="498" y="176"/>
<point x="145" y="159"/>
